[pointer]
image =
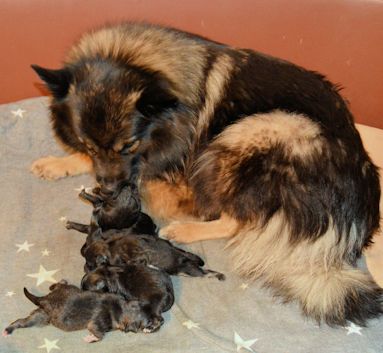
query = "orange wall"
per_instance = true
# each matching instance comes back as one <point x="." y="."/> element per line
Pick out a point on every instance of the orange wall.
<point x="342" y="39"/>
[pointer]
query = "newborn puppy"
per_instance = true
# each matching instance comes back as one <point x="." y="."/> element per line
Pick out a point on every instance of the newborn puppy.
<point x="118" y="247"/>
<point x="119" y="210"/>
<point x="152" y="287"/>
<point x="70" y="309"/>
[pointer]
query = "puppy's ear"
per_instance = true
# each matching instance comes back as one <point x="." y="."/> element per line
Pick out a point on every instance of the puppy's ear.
<point x="156" y="98"/>
<point x="57" y="81"/>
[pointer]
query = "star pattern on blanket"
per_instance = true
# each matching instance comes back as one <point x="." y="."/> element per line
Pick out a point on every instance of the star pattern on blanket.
<point x="241" y="343"/>
<point x="86" y="189"/>
<point x="45" y="252"/>
<point x="190" y="324"/>
<point x="18" y="113"/>
<point x="49" y="345"/>
<point x="10" y="297"/>
<point x="353" y="329"/>
<point x="43" y="275"/>
<point x="24" y="246"/>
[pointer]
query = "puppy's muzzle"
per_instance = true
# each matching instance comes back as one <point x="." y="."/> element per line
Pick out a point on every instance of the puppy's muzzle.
<point x="107" y="185"/>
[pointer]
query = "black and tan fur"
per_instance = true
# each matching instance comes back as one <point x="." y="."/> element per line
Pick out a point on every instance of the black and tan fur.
<point x="230" y="143"/>
<point x="71" y="309"/>
<point x="121" y="247"/>
<point x="151" y="286"/>
<point x="119" y="210"/>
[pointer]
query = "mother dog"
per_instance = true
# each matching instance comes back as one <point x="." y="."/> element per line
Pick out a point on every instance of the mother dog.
<point x="229" y="143"/>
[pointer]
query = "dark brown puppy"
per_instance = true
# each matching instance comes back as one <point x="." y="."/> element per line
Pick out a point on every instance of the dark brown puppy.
<point x="152" y="287"/>
<point x="120" y="209"/>
<point x="118" y="247"/>
<point x="70" y="309"/>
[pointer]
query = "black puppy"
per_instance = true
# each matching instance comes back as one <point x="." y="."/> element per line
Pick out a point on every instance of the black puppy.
<point x="118" y="247"/>
<point x="152" y="287"/>
<point x="119" y="210"/>
<point x="70" y="309"/>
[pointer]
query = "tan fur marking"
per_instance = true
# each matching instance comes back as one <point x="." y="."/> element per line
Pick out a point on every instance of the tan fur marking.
<point x="297" y="133"/>
<point x="313" y="273"/>
<point x="152" y="47"/>
<point x="188" y="232"/>
<point x="166" y="202"/>
<point x="215" y="87"/>
<point x="52" y="168"/>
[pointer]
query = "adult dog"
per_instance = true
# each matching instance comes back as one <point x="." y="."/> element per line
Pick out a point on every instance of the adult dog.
<point x="229" y="143"/>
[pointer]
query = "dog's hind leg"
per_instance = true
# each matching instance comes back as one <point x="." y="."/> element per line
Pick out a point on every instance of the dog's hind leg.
<point x="188" y="232"/>
<point x="37" y="318"/>
<point x="52" y="168"/>
<point x="193" y="270"/>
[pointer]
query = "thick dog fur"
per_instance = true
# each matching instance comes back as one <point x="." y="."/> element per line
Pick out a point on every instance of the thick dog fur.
<point x="266" y="143"/>
<point x="70" y="309"/>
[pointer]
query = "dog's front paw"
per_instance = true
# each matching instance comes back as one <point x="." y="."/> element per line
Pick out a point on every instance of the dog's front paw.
<point x="50" y="168"/>
<point x="91" y="338"/>
<point x="181" y="232"/>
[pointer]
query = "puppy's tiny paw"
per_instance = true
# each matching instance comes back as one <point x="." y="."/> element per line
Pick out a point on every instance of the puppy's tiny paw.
<point x="154" y="325"/>
<point x="90" y="338"/>
<point x="50" y="168"/>
<point x="6" y="333"/>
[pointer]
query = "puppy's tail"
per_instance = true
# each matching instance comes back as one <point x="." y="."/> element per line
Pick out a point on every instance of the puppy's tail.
<point x="35" y="300"/>
<point x="313" y="273"/>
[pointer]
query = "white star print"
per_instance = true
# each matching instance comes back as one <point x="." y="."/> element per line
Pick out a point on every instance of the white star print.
<point x="49" y="345"/>
<point x="10" y="294"/>
<point x="238" y="340"/>
<point x="24" y="246"/>
<point x="45" y="252"/>
<point x="353" y="329"/>
<point x="19" y="112"/>
<point x="62" y="219"/>
<point x="86" y="189"/>
<point x="190" y="324"/>
<point x="81" y="188"/>
<point x="43" y="275"/>
<point x="244" y="286"/>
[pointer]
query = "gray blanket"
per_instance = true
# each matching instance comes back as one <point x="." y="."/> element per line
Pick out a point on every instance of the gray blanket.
<point x="208" y="315"/>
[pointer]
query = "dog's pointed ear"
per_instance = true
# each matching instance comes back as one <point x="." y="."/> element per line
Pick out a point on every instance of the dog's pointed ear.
<point x="156" y="98"/>
<point x="57" y="81"/>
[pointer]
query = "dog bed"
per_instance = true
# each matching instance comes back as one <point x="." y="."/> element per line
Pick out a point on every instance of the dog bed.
<point x="208" y="315"/>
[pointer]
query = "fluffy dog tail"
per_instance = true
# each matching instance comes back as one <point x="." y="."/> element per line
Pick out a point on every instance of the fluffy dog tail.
<point x="314" y="273"/>
<point x="35" y="300"/>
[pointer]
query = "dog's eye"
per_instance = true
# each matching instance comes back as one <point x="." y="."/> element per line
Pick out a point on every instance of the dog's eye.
<point x="91" y="150"/>
<point x="130" y="147"/>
